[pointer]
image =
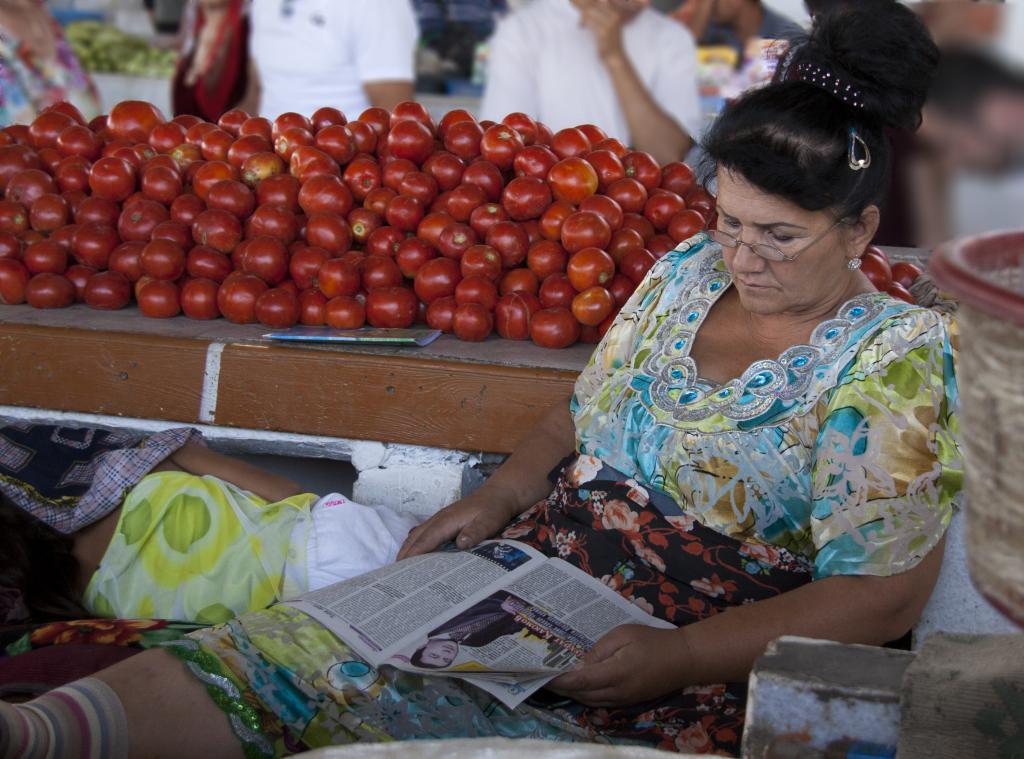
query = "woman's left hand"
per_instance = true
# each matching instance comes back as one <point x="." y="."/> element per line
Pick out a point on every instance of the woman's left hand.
<point x="629" y="665"/>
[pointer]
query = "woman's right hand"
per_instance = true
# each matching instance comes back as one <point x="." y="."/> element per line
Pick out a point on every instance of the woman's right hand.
<point x="468" y="521"/>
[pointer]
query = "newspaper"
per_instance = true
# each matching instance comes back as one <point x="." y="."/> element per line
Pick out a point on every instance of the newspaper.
<point x="501" y="615"/>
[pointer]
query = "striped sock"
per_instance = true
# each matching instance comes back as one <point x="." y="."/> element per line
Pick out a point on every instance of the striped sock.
<point x="82" y="719"/>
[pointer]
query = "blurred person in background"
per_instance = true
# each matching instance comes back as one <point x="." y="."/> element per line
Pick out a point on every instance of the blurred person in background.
<point x="454" y="28"/>
<point x="212" y="72"/>
<point x="349" y="55"/>
<point x="975" y="113"/>
<point x="616" y="64"/>
<point x="735" y="23"/>
<point x="37" y="66"/>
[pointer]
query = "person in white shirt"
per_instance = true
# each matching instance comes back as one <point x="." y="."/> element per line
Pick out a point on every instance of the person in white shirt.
<point x="347" y="54"/>
<point x="613" y="63"/>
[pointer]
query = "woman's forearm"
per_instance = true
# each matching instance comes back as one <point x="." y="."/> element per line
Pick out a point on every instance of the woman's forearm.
<point x="849" y="609"/>
<point x="522" y="480"/>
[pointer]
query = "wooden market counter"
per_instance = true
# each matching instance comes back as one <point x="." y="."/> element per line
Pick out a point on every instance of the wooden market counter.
<point x="450" y="394"/>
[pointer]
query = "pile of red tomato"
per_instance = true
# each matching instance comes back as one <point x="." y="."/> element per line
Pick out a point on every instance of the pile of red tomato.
<point x="894" y="279"/>
<point x="391" y="220"/>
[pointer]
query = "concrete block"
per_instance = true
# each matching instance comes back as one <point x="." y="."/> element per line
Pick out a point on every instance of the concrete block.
<point x="817" y="694"/>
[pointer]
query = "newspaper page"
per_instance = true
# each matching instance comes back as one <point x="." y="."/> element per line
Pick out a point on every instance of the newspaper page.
<point x="502" y="616"/>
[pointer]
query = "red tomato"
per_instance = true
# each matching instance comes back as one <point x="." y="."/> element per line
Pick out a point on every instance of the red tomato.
<point x="199" y="299"/>
<point x="608" y="167"/>
<point x="291" y="139"/>
<point x="677" y="177"/>
<point x="526" y="198"/>
<point x="78" y="140"/>
<point x="437" y="278"/>
<point x="166" y="137"/>
<point x="432" y="226"/>
<point x="72" y="173"/>
<point x="304" y="266"/>
<point x="455" y="240"/>
<point x="523" y="124"/>
<point x="589" y="267"/>
<point x="642" y="167"/>
<point x="876" y="268"/>
<point x="519" y="280"/>
<point x="513" y="313"/>
<point x="897" y="290"/>
<point x="260" y="166"/>
<point x="48" y="290"/>
<point x="186" y="208"/>
<point x="593" y="133"/>
<point x="277" y="308"/>
<point x="336" y="141"/>
<point x="127" y="259"/>
<point x="534" y="161"/>
<point x="554" y="328"/>
<point x="487" y="176"/>
<point x="112" y="179"/>
<point x="325" y="194"/>
<point x="486" y="216"/>
<point x="218" y="229"/>
<point x="330" y="232"/>
<point x="380" y="271"/>
<point x="14" y="159"/>
<point x="441" y="313"/>
<point x="378" y="200"/>
<point x="391" y="307"/>
<point x="472" y="322"/>
<point x="307" y="162"/>
<point x="158" y="299"/>
<point x="661" y="207"/>
<point x="511" y="242"/>
<point x="463" y="139"/>
<point x="133" y="120"/>
<point x="138" y="220"/>
<point x="638" y="224"/>
<point x="312" y="308"/>
<point x="236" y="298"/>
<point x="162" y="259"/>
<point x="79" y="276"/>
<point x="624" y="241"/>
<point x="362" y="222"/>
<point x="451" y="118"/>
<point x="629" y="194"/>
<point x="593" y="305"/>
<point x="410" y="139"/>
<point x="499" y="145"/>
<point x="418" y="185"/>
<point x="384" y="241"/>
<point x="621" y="287"/>
<point x="345" y="312"/>
<point x="233" y="197"/>
<point x="45" y="256"/>
<point x="685" y="224"/>
<point x="204" y="262"/>
<point x="412" y="253"/>
<point x="267" y="258"/>
<point x="556" y="291"/>
<point x="546" y="257"/>
<point x="404" y="212"/>
<point x="108" y="291"/>
<point x="46" y="128"/>
<point x="279" y="190"/>
<point x="585" y="229"/>
<point x="48" y="213"/>
<point x="636" y="263"/>
<point x="477" y="289"/>
<point x="481" y="261"/>
<point x="445" y="168"/>
<point x="161" y="184"/>
<point x="572" y="180"/>
<point x="215" y="144"/>
<point x="465" y="199"/>
<point x="905" y="273"/>
<point x="14" y="278"/>
<point x="659" y="245"/>
<point x="10" y="246"/>
<point x="338" y="277"/>
<point x="570" y="142"/>
<point x="606" y="208"/>
<point x="362" y="175"/>
<point x="27" y="186"/>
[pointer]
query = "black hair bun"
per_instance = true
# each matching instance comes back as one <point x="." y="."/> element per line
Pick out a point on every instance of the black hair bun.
<point x="881" y="48"/>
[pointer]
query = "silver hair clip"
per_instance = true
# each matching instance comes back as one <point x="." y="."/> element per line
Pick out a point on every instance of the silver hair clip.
<point x="855" y="145"/>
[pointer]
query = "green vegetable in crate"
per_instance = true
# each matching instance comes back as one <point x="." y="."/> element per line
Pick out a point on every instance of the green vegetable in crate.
<point x="105" y="48"/>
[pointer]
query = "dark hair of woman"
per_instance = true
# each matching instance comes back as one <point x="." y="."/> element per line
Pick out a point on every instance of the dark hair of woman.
<point x="36" y="561"/>
<point x="816" y="136"/>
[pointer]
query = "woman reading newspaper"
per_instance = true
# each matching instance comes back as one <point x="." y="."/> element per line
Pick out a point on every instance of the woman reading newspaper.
<point x="764" y="445"/>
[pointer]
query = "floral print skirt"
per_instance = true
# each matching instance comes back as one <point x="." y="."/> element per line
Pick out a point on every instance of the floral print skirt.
<point x="288" y="684"/>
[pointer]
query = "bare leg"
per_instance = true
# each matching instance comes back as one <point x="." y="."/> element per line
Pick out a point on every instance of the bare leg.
<point x="169" y="712"/>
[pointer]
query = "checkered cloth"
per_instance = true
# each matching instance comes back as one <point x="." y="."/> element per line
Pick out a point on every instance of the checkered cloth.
<point x="71" y="477"/>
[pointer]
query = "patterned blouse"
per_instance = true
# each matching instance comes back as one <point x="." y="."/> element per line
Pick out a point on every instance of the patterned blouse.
<point x="842" y="450"/>
<point x="28" y="85"/>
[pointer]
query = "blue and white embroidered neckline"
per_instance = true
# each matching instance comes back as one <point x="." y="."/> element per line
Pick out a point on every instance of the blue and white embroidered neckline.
<point x="675" y="386"/>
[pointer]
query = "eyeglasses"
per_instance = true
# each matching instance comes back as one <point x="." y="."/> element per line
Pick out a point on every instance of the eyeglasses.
<point x="762" y="249"/>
